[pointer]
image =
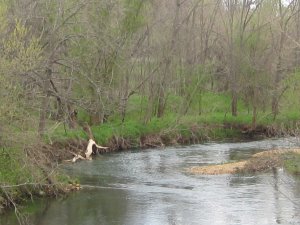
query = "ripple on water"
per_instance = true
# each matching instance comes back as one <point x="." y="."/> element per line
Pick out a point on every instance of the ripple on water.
<point x="152" y="187"/>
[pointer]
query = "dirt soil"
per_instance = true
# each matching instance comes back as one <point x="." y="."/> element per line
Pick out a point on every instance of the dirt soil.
<point x="259" y="162"/>
<point x="227" y="168"/>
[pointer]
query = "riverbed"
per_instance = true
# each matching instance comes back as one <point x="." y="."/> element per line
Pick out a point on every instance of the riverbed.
<point x="153" y="187"/>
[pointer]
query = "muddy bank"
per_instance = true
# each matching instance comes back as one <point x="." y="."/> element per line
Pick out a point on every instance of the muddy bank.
<point x="274" y="130"/>
<point x="195" y="134"/>
<point x="257" y="163"/>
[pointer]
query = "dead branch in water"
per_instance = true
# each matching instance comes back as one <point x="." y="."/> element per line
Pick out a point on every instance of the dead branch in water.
<point x="92" y="147"/>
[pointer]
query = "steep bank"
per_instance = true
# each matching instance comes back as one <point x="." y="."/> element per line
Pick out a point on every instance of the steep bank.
<point x="28" y="171"/>
<point x="120" y="137"/>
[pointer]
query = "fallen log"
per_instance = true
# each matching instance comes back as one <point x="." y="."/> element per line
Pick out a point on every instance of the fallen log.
<point x="92" y="147"/>
<point x="75" y="158"/>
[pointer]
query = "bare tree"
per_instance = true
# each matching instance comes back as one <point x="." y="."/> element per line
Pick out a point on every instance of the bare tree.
<point x="284" y="18"/>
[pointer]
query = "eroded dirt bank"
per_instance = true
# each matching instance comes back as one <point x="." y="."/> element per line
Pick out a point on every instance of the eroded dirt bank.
<point x="258" y="162"/>
<point x="64" y="150"/>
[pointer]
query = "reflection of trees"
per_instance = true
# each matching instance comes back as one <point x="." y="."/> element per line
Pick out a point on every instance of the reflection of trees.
<point x="43" y="208"/>
<point x="286" y="192"/>
<point x="236" y="181"/>
<point x="275" y="195"/>
<point x="277" y="202"/>
<point x="39" y="208"/>
<point x="95" y="207"/>
<point x="240" y="154"/>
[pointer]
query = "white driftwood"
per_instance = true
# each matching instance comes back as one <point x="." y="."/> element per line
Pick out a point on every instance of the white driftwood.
<point x="88" y="152"/>
<point x="75" y="158"/>
<point x="89" y="149"/>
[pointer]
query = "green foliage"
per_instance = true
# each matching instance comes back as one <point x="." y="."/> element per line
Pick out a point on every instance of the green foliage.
<point x="104" y="132"/>
<point x="19" y="54"/>
<point x="3" y="17"/>
<point x="221" y="134"/>
<point x="291" y="96"/>
<point x="136" y="108"/>
<point x="215" y="102"/>
<point x="11" y="169"/>
<point x="18" y="57"/>
<point x="83" y="116"/>
<point x="63" y="134"/>
<point x="133" y="18"/>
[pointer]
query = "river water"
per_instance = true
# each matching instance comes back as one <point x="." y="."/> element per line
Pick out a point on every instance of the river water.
<point x="152" y="187"/>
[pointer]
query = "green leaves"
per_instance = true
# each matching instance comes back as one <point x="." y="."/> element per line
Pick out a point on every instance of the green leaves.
<point x="133" y="18"/>
<point x="20" y="53"/>
<point x="3" y="20"/>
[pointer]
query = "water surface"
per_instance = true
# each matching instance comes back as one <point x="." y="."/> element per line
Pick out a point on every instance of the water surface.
<point x="152" y="187"/>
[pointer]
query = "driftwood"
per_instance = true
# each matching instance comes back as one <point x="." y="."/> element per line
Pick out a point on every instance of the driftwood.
<point x="75" y="158"/>
<point x="90" y="149"/>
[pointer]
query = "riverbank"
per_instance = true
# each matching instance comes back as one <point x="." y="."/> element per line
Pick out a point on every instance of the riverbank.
<point x="158" y="133"/>
<point x="121" y="187"/>
<point x="26" y="172"/>
<point x="62" y="144"/>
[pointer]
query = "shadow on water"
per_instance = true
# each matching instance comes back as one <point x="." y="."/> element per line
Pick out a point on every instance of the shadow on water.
<point x="152" y="188"/>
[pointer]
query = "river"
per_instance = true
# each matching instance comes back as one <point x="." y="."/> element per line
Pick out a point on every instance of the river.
<point x="152" y="187"/>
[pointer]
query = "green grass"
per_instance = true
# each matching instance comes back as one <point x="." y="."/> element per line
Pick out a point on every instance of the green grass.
<point x="11" y="169"/>
<point x="209" y="115"/>
<point x="63" y="134"/>
<point x="292" y="163"/>
<point x="168" y="126"/>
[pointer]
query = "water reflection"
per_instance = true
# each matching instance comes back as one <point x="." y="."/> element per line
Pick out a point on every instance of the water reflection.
<point x="107" y="206"/>
<point x="152" y="188"/>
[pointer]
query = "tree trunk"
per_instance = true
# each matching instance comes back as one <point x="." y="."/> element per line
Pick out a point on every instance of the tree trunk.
<point x="59" y="105"/>
<point x="72" y="117"/>
<point x="254" y="117"/>
<point x="45" y="103"/>
<point x="124" y="98"/>
<point x="297" y="22"/>
<point x="275" y="97"/>
<point x="161" y="103"/>
<point x="234" y="101"/>
<point x="275" y="109"/>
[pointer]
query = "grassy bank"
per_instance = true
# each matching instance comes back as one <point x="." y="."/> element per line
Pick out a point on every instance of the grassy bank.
<point x="26" y="171"/>
<point x="171" y="130"/>
<point x="209" y="120"/>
